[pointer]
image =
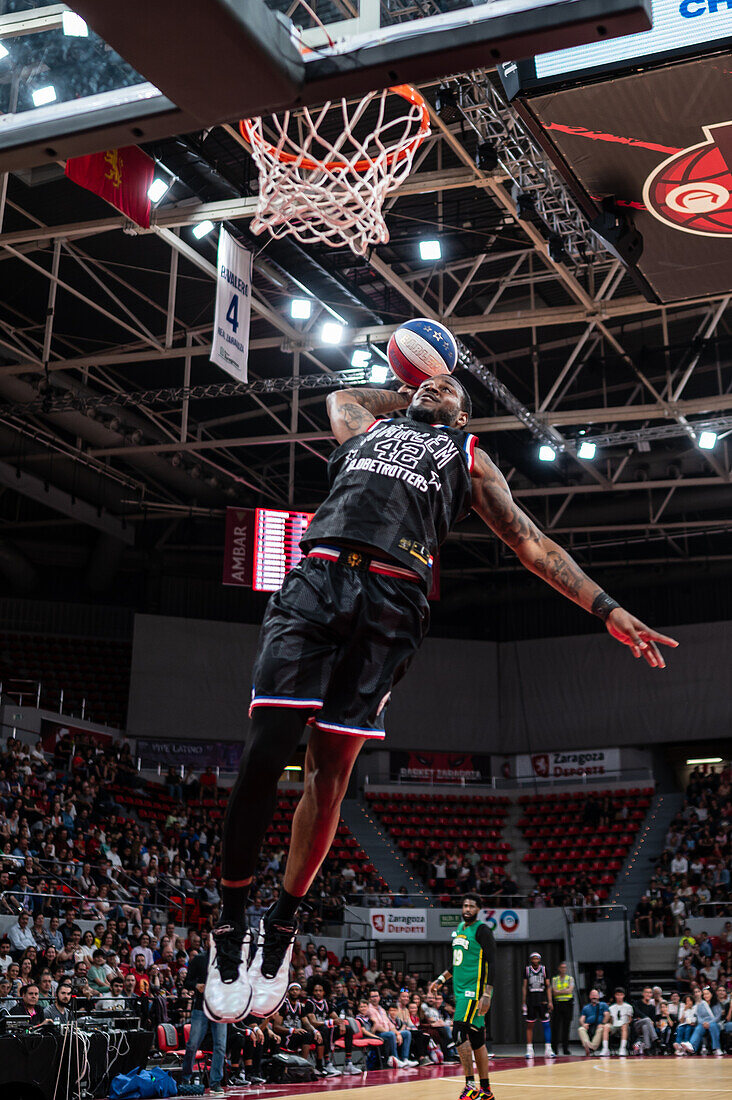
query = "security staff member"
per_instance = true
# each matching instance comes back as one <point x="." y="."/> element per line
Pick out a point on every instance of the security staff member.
<point x="563" y="998"/>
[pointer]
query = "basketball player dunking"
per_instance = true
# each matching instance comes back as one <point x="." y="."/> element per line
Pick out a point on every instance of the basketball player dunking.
<point x="342" y="631"/>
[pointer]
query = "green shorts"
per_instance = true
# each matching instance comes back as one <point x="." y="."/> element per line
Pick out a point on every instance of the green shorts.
<point x="466" y="1009"/>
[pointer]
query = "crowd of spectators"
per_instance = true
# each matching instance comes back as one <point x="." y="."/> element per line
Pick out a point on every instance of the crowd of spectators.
<point x="698" y="1021"/>
<point x="692" y="876"/>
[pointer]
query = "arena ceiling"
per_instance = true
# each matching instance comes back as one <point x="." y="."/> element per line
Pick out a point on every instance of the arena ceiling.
<point x="97" y="318"/>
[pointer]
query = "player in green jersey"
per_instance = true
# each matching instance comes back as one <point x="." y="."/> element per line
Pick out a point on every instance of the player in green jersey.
<point x="473" y="969"/>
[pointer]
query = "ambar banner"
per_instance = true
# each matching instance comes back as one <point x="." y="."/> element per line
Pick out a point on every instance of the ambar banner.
<point x="191" y="754"/>
<point x="544" y="766"/>
<point x="441" y="767"/>
<point x="398" y="924"/>
<point x="239" y="547"/>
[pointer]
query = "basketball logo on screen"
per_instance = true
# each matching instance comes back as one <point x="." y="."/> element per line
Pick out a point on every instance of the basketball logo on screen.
<point x="692" y="190"/>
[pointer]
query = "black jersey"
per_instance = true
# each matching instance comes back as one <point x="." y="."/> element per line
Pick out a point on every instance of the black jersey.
<point x="536" y="982"/>
<point x="400" y="487"/>
<point x="292" y="1013"/>
<point x="321" y="1010"/>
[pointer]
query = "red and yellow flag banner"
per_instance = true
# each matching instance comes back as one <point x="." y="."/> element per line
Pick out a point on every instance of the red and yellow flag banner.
<point x="121" y="176"/>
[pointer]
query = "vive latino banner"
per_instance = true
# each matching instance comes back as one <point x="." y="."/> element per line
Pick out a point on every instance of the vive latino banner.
<point x="398" y="924"/>
<point x="120" y="176"/>
<point x="191" y="754"/>
<point x="441" y="767"/>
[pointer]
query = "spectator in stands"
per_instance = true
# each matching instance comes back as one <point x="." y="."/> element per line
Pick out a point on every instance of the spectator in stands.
<point x="397" y="1041"/>
<point x="433" y="1021"/>
<point x="599" y="982"/>
<point x="593" y="1018"/>
<point x="7" y="1001"/>
<point x="46" y="989"/>
<point x="621" y="1015"/>
<point x="256" y="911"/>
<point x="114" y="1001"/>
<point x="705" y="1024"/>
<point x="27" y="1007"/>
<point x="5" y="957"/>
<point x="21" y="934"/>
<point x="686" y="975"/>
<point x="59" y="1010"/>
<point x="644" y="1021"/>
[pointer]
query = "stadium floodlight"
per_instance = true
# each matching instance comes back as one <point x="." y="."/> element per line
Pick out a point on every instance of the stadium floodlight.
<point x="430" y="250"/>
<point x="301" y="308"/>
<point x="707" y="440"/>
<point x="586" y="449"/>
<point x="361" y="358"/>
<point x="202" y="229"/>
<point x="157" y="189"/>
<point x="547" y="453"/>
<point x="73" y="25"/>
<point x="44" y="95"/>
<point x="331" y="332"/>
<point x="4" y="51"/>
<point x="379" y="373"/>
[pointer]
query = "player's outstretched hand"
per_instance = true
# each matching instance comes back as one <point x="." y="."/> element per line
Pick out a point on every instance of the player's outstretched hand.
<point x="641" y="640"/>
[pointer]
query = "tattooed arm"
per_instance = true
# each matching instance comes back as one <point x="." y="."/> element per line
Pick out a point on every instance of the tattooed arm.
<point x="352" y="411"/>
<point x="539" y="554"/>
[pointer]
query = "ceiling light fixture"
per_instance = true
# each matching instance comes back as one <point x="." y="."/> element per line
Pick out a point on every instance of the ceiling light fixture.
<point x="301" y="308"/>
<point x="547" y="453"/>
<point x="42" y="96"/>
<point x="202" y="229"/>
<point x="430" y="250"/>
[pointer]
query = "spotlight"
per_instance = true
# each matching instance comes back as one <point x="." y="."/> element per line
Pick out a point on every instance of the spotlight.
<point x="301" y="308"/>
<point x="486" y="157"/>
<point x="42" y="96"/>
<point x="547" y="453"/>
<point x="331" y="332"/>
<point x="202" y="229"/>
<point x="586" y="449"/>
<point x="360" y="358"/>
<point x="157" y="189"/>
<point x="379" y="373"/>
<point x="430" y="250"/>
<point x="447" y="105"/>
<point x="73" y="25"/>
<point x="707" y="440"/>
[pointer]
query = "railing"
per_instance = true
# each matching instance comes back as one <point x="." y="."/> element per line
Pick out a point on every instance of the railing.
<point x="33" y="693"/>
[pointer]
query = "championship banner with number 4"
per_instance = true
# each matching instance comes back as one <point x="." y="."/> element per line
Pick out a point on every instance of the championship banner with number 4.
<point x="230" y="347"/>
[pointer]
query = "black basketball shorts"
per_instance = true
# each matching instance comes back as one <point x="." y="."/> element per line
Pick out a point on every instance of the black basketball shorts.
<point x="537" y="1008"/>
<point x="335" y="639"/>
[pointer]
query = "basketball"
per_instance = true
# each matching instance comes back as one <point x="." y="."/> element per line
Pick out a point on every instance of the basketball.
<point x="420" y="349"/>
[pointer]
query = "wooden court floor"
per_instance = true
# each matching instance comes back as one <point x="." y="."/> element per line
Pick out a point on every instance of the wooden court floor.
<point x="592" y="1079"/>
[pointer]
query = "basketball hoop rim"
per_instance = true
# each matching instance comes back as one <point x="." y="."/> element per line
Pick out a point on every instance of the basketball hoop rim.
<point x="406" y="91"/>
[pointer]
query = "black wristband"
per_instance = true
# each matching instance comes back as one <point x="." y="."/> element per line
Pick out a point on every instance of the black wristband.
<point x="602" y="605"/>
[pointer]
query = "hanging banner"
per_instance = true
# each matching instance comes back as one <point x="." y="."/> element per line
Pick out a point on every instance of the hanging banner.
<point x="191" y="754"/>
<point x="230" y="347"/>
<point x="121" y="176"/>
<point x="398" y="924"/>
<point x="505" y="924"/>
<point x="559" y="765"/>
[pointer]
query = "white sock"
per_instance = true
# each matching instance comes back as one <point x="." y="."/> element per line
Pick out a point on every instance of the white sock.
<point x="623" y="1044"/>
<point x="605" y="1046"/>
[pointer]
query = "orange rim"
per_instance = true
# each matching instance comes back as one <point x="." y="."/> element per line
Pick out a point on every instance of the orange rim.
<point x="406" y="91"/>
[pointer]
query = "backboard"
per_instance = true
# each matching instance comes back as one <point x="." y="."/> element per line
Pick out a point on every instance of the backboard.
<point x="111" y="74"/>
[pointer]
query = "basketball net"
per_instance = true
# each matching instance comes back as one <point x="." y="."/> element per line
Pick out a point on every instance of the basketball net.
<point x="324" y="175"/>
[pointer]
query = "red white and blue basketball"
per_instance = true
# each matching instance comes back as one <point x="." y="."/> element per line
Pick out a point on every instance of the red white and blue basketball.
<point x="420" y="349"/>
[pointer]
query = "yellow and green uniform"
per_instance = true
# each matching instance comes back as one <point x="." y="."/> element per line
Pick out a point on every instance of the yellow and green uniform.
<point x="473" y="965"/>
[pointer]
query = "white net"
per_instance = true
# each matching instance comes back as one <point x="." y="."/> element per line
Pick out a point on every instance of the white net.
<point x="324" y="174"/>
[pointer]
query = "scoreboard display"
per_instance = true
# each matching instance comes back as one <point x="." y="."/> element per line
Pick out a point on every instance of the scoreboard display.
<point x="276" y="546"/>
<point x="262" y="545"/>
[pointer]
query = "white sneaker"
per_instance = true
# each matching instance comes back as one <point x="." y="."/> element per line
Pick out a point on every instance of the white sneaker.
<point x="605" y="1052"/>
<point x="351" y="1069"/>
<point x="227" y="995"/>
<point x="548" y="1052"/>
<point x="393" y="1063"/>
<point x="623" y="1052"/>
<point x="717" y="1053"/>
<point x="687" y="1048"/>
<point x="269" y="972"/>
<point x="330" y="1070"/>
<point x="529" y="1050"/>
<point x="411" y="1062"/>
